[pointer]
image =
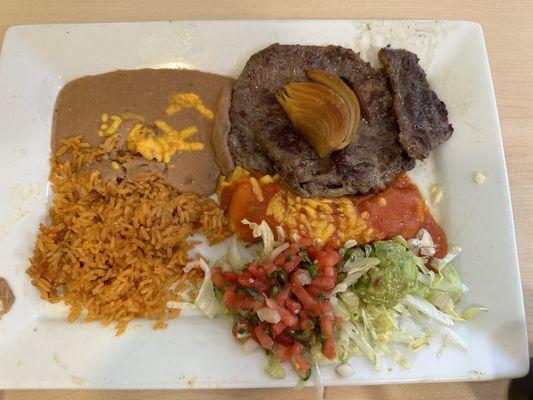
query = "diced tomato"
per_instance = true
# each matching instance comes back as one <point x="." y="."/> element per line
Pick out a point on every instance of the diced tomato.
<point x="300" y="365"/>
<point x="256" y="271"/>
<point x="229" y="298"/>
<point x="263" y="338"/>
<point x="327" y="309"/>
<point x="277" y="328"/>
<point x="218" y="280"/>
<point x="329" y="272"/>
<point x="315" y="292"/>
<point x="261" y="285"/>
<point x="230" y="277"/>
<point x="285" y="338"/>
<point x="282" y="351"/>
<point x="292" y="263"/>
<point x="309" y="303"/>
<point x="305" y="242"/>
<point x="306" y="323"/>
<point x="337" y="321"/>
<point x="269" y="267"/>
<point x="288" y="319"/>
<point x="326" y="330"/>
<point x="328" y="348"/>
<point x="328" y="258"/>
<point x="246" y="279"/>
<point x="313" y="251"/>
<point x="293" y="306"/>
<point x="283" y="295"/>
<point x="240" y="301"/>
<point x="324" y="283"/>
<point x="294" y="248"/>
<point x="280" y="260"/>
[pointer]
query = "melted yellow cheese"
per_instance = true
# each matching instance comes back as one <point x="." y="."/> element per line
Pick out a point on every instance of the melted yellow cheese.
<point x="105" y="128"/>
<point x="317" y="218"/>
<point x="180" y="101"/>
<point x="142" y="139"/>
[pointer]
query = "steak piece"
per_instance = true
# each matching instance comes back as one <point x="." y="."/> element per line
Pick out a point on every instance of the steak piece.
<point x="263" y="139"/>
<point x="422" y="116"/>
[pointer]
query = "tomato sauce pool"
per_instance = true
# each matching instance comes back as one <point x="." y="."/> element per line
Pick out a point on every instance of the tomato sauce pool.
<point x="398" y="210"/>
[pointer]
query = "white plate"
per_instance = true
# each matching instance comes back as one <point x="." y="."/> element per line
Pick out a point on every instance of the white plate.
<point x="39" y="349"/>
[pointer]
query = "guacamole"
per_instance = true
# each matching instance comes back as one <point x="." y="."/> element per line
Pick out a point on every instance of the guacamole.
<point x="392" y="279"/>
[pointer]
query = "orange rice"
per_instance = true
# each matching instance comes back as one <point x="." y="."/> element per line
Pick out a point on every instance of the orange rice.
<point x="115" y="251"/>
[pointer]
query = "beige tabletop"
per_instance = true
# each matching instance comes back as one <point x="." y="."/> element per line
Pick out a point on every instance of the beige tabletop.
<point x="508" y="28"/>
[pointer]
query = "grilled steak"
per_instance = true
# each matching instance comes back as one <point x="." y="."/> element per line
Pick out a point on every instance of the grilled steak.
<point x="262" y="137"/>
<point x="422" y="116"/>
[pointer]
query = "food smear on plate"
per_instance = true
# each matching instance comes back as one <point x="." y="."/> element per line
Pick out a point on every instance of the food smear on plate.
<point x="7" y="298"/>
<point x="173" y="122"/>
<point x="398" y="210"/>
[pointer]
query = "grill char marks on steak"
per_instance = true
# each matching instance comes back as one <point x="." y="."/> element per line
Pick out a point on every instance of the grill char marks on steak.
<point x="262" y="137"/>
<point x="422" y="116"/>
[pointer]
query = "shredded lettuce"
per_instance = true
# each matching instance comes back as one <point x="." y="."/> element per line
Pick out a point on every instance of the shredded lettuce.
<point x="357" y="265"/>
<point x="438" y="263"/>
<point x="470" y="312"/>
<point x="426" y="308"/>
<point x="235" y="257"/>
<point x="274" y="369"/>
<point x="263" y="231"/>
<point x="205" y="300"/>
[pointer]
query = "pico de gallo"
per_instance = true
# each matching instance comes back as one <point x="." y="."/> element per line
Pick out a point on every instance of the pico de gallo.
<point x="283" y="303"/>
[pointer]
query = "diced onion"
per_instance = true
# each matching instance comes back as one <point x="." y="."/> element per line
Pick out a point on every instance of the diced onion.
<point x="303" y="277"/>
<point x="268" y="315"/>
<point x="281" y="235"/>
<point x="250" y="346"/>
<point x="349" y="244"/>
<point x="280" y="249"/>
<point x="344" y="370"/>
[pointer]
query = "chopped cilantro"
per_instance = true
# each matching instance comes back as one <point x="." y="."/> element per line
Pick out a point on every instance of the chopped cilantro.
<point x="254" y="319"/>
<point x="308" y="264"/>
<point x="275" y="290"/>
<point x="218" y="293"/>
<point x="279" y="274"/>
<point x="251" y="292"/>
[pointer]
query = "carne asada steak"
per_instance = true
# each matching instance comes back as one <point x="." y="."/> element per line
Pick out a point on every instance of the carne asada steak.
<point x="263" y="139"/>
<point x="422" y="116"/>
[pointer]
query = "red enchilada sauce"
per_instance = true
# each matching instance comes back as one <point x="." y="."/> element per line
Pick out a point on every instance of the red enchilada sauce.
<point x="398" y="210"/>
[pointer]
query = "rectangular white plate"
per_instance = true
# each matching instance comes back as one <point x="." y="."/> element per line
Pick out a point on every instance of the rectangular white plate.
<point x="39" y="349"/>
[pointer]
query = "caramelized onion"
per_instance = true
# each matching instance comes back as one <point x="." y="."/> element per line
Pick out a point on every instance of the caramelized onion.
<point x="326" y="111"/>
